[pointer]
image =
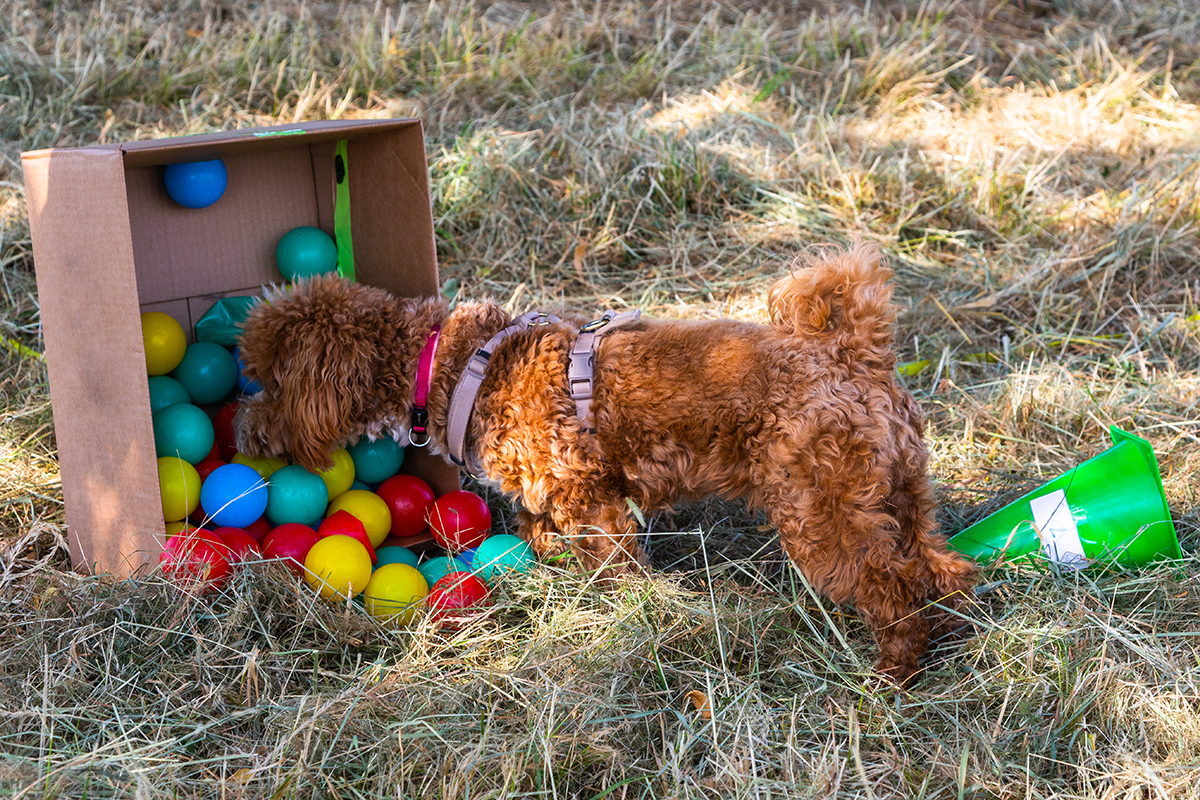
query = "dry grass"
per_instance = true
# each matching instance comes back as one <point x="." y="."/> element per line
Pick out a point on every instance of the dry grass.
<point x="1031" y="170"/>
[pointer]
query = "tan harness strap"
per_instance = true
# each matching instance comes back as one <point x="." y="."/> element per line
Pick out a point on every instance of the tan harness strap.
<point x="581" y="370"/>
<point x="462" y="402"/>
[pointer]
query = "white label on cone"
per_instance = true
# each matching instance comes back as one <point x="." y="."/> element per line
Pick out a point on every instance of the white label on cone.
<point x="1056" y="524"/>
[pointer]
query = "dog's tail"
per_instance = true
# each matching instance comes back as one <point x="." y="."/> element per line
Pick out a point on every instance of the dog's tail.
<point x="844" y="298"/>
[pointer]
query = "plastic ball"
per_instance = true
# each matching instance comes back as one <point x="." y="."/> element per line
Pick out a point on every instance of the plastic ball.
<point x="467" y="557"/>
<point x="223" y="430"/>
<point x="242" y="546"/>
<point x="304" y="252"/>
<point x="459" y="520"/>
<point x="295" y="495"/>
<point x="166" y="391"/>
<point x="234" y="496"/>
<point x="164" y="340"/>
<point x="395" y="554"/>
<point x="207" y="371"/>
<point x="264" y="466"/>
<point x="359" y="485"/>
<point x="436" y="568"/>
<point x="178" y="526"/>
<point x="183" y="430"/>
<point x="206" y="467"/>
<point x="454" y="594"/>
<point x="501" y="555"/>
<point x="195" y="559"/>
<point x="376" y="461"/>
<point x="258" y="529"/>
<point x="408" y="499"/>
<point x="370" y="510"/>
<point x="244" y="384"/>
<point x="290" y="543"/>
<point x="339" y="477"/>
<point x="338" y="567"/>
<point x="179" y="486"/>
<point x="395" y="593"/>
<point x="343" y="523"/>
<point x="197" y="184"/>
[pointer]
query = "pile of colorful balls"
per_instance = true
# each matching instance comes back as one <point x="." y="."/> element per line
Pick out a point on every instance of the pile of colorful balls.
<point x="337" y="528"/>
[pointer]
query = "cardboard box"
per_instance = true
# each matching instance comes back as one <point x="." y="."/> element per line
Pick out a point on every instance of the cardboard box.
<point x="109" y="243"/>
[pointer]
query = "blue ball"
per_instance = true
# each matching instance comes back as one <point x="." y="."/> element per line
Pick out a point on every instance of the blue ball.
<point x="198" y="184"/>
<point x="234" y="496"/>
<point x="244" y="384"/>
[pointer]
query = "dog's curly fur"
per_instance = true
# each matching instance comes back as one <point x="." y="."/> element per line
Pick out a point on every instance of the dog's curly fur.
<point x="802" y="418"/>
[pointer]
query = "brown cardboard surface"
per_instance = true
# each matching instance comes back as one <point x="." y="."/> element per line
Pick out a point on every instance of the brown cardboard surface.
<point x="183" y="252"/>
<point x="98" y="385"/>
<point x="109" y="243"/>
<point x="386" y="171"/>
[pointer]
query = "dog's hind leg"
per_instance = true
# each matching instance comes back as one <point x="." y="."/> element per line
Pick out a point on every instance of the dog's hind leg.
<point x="833" y="528"/>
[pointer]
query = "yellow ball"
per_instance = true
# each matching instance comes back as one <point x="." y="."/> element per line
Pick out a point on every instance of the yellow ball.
<point x="337" y="566"/>
<point x="178" y="527"/>
<point x="395" y="593"/>
<point x="263" y="466"/>
<point x="369" y="509"/>
<point x="179" y="485"/>
<point x="164" y="340"/>
<point x="340" y="476"/>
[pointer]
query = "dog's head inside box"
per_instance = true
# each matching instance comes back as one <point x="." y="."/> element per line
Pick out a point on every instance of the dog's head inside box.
<point x="109" y="244"/>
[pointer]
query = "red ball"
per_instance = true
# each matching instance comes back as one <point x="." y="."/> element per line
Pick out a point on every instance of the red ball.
<point x="205" y="467"/>
<point x="242" y="546"/>
<point x="409" y="499"/>
<point x="225" y="442"/>
<point x="195" y="559"/>
<point x="346" y="524"/>
<point x="455" y="593"/>
<point x="290" y="542"/>
<point x="459" y="520"/>
<point x="258" y="529"/>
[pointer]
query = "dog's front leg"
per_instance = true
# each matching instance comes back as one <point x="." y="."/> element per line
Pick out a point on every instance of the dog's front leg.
<point x="601" y="535"/>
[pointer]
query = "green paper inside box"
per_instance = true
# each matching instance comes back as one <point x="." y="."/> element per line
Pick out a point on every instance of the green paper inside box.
<point x="222" y="323"/>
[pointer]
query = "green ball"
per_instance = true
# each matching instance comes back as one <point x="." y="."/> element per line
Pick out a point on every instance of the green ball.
<point x="304" y="252"/>
<point x="375" y="462"/>
<point x="207" y="371"/>
<point x="395" y="554"/>
<point x="501" y="555"/>
<point x="166" y="391"/>
<point x="296" y="495"/>
<point x="435" y="568"/>
<point x="184" y="431"/>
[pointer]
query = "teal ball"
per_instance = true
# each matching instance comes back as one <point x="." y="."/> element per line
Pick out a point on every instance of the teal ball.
<point x="207" y="371"/>
<point x="375" y="462"/>
<point x="436" y="568"/>
<point x="502" y="555"/>
<point x="183" y="430"/>
<point x="395" y="554"/>
<point x="304" y="252"/>
<point x="166" y="391"/>
<point x="296" y="495"/>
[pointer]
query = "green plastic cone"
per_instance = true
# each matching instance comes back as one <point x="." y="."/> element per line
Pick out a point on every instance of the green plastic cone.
<point x="1110" y="508"/>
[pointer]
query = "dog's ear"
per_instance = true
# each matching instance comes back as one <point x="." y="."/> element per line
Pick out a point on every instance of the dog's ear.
<point x="314" y="353"/>
<point x="324" y="384"/>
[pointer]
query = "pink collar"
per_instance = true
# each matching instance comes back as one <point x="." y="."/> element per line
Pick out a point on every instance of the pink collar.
<point x="420" y="416"/>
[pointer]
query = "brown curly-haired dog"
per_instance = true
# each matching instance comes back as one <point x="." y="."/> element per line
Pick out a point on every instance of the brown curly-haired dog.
<point x="802" y="418"/>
